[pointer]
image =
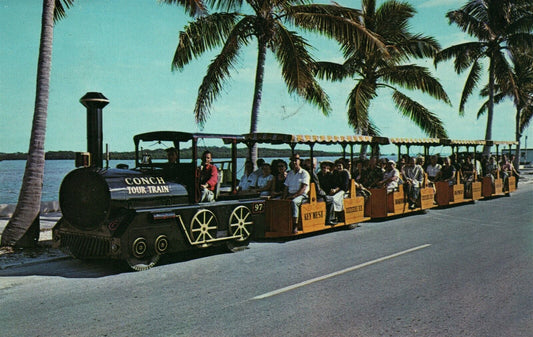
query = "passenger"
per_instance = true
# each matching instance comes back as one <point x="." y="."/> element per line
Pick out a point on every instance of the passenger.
<point x="320" y="178"/>
<point x="447" y="172"/>
<point x="340" y="186"/>
<point x="208" y="178"/>
<point x="477" y="165"/>
<point x="467" y="169"/>
<point x="358" y="172"/>
<point x="373" y="174"/>
<point x="391" y="177"/>
<point x="248" y="180"/>
<point x="414" y="176"/>
<point x="264" y="182"/>
<point x="515" y="172"/>
<point x="172" y="155"/>
<point x="278" y="184"/>
<point x="492" y="169"/>
<point x="259" y="171"/>
<point x="296" y="188"/>
<point x="325" y="175"/>
<point x="170" y="170"/>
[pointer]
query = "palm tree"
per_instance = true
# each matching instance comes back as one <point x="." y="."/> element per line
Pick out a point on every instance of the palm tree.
<point x="497" y="25"/>
<point x="26" y="214"/>
<point x="232" y="30"/>
<point x="23" y="228"/>
<point x="520" y="90"/>
<point x="376" y="70"/>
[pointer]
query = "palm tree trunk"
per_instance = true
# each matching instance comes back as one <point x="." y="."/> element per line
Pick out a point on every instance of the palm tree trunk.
<point x="258" y="92"/>
<point x="518" y="135"/>
<point x="490" y="108"/>
<point x="29" y="202"/>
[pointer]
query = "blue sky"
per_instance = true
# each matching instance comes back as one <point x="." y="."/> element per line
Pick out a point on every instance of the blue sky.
<point x="124" y="48"/>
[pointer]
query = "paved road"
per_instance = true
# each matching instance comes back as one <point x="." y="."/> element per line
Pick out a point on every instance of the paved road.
<point x="460" y="271"/>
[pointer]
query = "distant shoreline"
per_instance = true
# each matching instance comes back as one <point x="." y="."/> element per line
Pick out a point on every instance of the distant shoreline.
<point x="218" y="152"/>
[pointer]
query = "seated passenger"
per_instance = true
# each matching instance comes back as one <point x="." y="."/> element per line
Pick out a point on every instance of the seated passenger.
<point x="248" y="180"/>
<point x="208" y="178"/>
<point x="467" y="169"/>
<point x="433" y="168"/>
<point x="414" y="177"/>
<point x="323" y="181"/>
<point x="259" y="171"/>
<point x="264" y="181"/>
<point x="170" y="170"/>
<point x="492" y="168"/>
<point x="296" y="188"/>
<point x="447" y="172"/>
<point x="280" y="174"/>
<point x="340" y="186"/>
<point x="373" y="174"/>
<point x="391" y="177"/>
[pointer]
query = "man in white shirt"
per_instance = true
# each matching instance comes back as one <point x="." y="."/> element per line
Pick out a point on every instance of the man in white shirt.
<point x="248" y="180"/>
<point x="296" y="188"/>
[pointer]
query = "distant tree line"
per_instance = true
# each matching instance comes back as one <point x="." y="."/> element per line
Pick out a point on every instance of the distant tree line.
<point x="217" y="151"/>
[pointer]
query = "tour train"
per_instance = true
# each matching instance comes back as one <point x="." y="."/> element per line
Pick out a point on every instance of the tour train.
<point x="139" y="214"/>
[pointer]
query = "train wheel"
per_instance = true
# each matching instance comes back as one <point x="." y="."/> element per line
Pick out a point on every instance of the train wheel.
<point x="203" y="227"/>
<point x="140" y="264"/>
<point x="240" y="224"/>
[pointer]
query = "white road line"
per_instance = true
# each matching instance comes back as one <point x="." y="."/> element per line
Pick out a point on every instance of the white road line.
<point x="340" y="272"/>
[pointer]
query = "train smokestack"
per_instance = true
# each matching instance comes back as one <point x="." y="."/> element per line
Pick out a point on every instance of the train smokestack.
<point x="94" y="102"/>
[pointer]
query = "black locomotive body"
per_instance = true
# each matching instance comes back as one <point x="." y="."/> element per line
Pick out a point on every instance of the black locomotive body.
<point x="137" y="216"/>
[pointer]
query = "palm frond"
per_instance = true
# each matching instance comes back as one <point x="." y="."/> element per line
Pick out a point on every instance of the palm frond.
<point x="521" y="41"/>
<point x="417" y="46"/>
<point x="425" y="119"/>
<point x="192" y="7"/>
<point x="340" y="23"/>
<point x="464" y="54"/>
<point x="526" y="115"/>
<point x="219" y="70"/>
<point x="391" y="20"/>
<point x="415" y="77"/>
<point x="201" y="35"/>
<point x="472" y="19"/>
<point x="297" y="67"/>
<point x="331" y="71"/>
<point x="359" y="102"/>
<point x="498" y="98"/>
<point x="225" y="5"/>
<point x="60" y="10"/>
<point x="470" y="84"/>
<point x="503" y="72"/>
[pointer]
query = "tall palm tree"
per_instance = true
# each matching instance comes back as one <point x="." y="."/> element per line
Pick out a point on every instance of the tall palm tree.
<point x="376" y="70"/>
<point x="27" y="211"/>
<point x="497" y="25"/>
<point x="23" y="227"/>
<point x="520" y="90"/>
<point x="232" y="30"/>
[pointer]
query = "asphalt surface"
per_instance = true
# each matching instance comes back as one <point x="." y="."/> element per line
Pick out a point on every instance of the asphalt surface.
<point x="459" y="271"/>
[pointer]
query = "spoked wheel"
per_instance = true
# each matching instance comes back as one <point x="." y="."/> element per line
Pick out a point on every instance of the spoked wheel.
<point x="203" y="227"/>
<point x="240" y="224"/>
<point x="140" y="264"/>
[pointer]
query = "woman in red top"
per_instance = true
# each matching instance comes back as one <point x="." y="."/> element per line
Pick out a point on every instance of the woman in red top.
<point x="208" y="178"/>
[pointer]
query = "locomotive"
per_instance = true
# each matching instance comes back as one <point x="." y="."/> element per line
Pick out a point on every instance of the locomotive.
<point x="139" y="214"/>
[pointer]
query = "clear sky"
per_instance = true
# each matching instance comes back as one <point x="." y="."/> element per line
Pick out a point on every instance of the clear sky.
<point x="124" y="49"/>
